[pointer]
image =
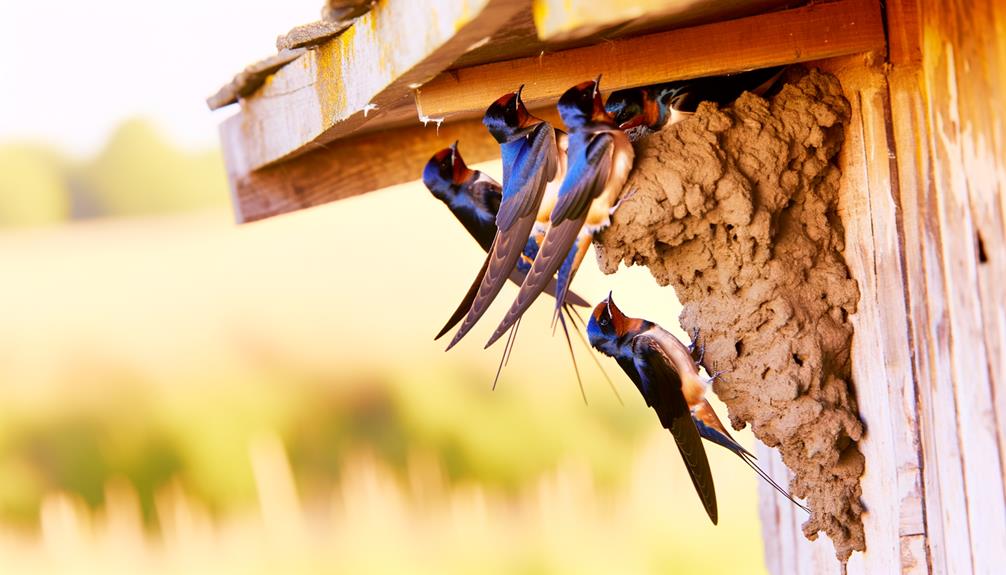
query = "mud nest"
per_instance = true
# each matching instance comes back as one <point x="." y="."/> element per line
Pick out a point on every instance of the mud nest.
<point x="736" y="208"/>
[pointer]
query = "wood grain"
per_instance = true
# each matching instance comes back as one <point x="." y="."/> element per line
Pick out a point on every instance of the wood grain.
<point x="350" y="81"/>
<point x="881" y="355"/>
<point x="960" y="56"/>
<point x="251" y="78"/>
<point x="882" y="359"/>
<point x="308" y="104"/>
<point x="356" y="165"/>
<point x="347" y="167"/>
<point x="946" y="526"/>
<point x="943" y="189"/>
<point x="803" y="34"/>
<point x="565" y="20"/>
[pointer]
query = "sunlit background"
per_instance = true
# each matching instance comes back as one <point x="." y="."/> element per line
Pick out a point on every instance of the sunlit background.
<point x="179" y="394"/>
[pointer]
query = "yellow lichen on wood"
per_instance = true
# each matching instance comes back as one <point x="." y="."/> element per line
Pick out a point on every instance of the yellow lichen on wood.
<point x="567" y="19"/>
<point x="356" y="78"/>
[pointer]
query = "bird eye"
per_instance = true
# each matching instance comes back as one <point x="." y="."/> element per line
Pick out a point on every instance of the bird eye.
<point x="603" y="321"/>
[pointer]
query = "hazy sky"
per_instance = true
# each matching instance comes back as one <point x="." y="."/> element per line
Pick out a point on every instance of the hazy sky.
<point x="71" y="71"/>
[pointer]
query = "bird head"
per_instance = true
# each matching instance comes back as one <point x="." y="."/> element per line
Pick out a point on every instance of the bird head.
<point x="649" y="106"/>
<point x="609" y="330"/>
<point x="629" y="107"/>
<point x="507" y="117"/>
<point x="582" y="104"/>
<point x="445" y="171"/>
<point x="678" y="103"/>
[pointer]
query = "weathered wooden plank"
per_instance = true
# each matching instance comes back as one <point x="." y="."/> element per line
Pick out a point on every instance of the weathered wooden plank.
<point x="347" y="167"/>
<point x="251" y="78"/>
<point x="341" y="86"/>
<point x="565" y="20"/>
<point x="903" y="32"/>
<point x="355" y="165"/>
<point x="959" y="51"/>
<point x="947" y="37"/>
<point x="979" y="56"/>
<point x="882" y="362"/>
<point x="787" y="551"/>
<point x="946" y="526"/>
<point x="810" y="33"/>
<point x="947" y="541"/>
<point x="768" y="507"/>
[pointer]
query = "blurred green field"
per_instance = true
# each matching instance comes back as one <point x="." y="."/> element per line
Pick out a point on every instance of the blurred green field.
<point x="184" y="395"/>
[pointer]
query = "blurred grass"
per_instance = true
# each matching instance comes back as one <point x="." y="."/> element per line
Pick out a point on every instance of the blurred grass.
<point x="183" y="395"/>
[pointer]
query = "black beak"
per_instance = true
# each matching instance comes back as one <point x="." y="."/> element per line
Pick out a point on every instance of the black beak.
<point x="516" y="99"/>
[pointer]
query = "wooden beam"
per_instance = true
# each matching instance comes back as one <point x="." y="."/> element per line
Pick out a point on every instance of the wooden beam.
<point x="904" y="32"/>
<point x="348" y="82"/>
<point x="818" y="31"/>
<point x="352" y="166"/>
<point x="285" y="118"/>
<point x="565" y="20"/>
<point x="355" y="165"/>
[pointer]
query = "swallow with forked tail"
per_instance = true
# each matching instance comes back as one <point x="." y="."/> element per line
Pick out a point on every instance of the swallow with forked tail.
<point x="599" y="158"/>
<point x="474" y="199"/>
<point x="667" y="376"/>
<point x="530" y="154"/>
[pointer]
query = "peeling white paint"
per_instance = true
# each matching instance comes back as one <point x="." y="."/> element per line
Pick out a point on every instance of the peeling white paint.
<point x="479" y="43"/>
<point x="427" y="119"/>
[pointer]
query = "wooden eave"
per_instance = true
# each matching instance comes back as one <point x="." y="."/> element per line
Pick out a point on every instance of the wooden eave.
<point x="366" y="109"/>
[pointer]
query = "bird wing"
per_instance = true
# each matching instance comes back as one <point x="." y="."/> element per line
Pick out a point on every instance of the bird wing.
<point x="585" y="180"/>
<point x="517" y="278"/>
<point x="662" y="387"/>
<point x="499" y="264"/>
<point x="533" y="164"/>
<point x="523" y="185"/>
<point x="553" y="251"/>
<point x="466" y="302"/>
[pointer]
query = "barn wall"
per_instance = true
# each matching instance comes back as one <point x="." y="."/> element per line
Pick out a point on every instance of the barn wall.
<point x="924" y="208"/>
<point x="948" y="87"/>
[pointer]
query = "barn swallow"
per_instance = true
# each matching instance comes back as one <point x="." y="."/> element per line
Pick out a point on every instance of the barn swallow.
<point x="474" y="199"/>
<point x="660" y="105"/>
<point x="599" y="160"/>
<point x="667" y="375"/>
<point x="530" y="161"/>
